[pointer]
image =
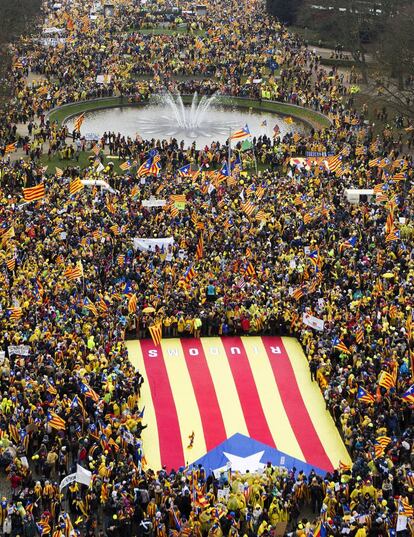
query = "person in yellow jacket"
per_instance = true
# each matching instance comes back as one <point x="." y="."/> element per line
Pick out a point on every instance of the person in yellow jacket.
<point x="264" y="526"/>
<point x="274" y="512"/>
<point x="241" y="500"/>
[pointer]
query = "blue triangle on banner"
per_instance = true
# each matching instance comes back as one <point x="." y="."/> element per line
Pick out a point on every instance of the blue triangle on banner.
<point x="245" y="453"/>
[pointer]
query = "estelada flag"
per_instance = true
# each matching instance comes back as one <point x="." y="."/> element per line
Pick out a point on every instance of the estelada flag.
<point x="156" y="332"/>
<point x="256" y="390"/>
<point x="56" y="422"/>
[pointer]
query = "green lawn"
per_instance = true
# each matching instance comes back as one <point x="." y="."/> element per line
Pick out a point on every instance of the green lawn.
<point x="66" y="111"/>
<point x="83" y="162"/>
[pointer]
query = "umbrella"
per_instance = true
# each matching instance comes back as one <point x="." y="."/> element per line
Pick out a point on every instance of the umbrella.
<point x="148" y="309"/>
<point x="388" y="275"/>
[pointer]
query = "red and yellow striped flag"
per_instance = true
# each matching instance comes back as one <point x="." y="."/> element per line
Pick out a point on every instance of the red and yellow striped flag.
<point x="75" y="186"/>
<point x="56" y="422"/>
<point x="7" y="235"/>
<point x="200" y="247"/>
<point x="10" y="148"/>
<point x="132" y="303"/>
<point x="14" y="433"/>
<point x="386" y="380"/>
<point x="78" y="122"/>
<point x="11" y="263"/>
<point x="156" y="332"/>
<point x="230" y="380"/>
<point x="34" y="193"/>
<point x="247" y="208"/>
<point x="15" y="313"/>
<point x="73" y="273"/>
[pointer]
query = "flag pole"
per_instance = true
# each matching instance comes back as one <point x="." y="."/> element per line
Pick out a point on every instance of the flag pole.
<point x="229" y="155"/>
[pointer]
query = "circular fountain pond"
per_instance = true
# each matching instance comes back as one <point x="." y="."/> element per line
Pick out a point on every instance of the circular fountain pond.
<point x="166" y="116"/>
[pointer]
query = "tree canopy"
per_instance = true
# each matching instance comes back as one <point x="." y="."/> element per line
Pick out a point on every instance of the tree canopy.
<point x="285" y="11"/>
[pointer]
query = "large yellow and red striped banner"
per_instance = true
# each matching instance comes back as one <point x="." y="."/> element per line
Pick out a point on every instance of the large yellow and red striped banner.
<point x="217" y="387"/>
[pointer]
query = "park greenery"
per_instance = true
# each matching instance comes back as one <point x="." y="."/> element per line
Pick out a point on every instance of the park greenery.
<point x="377" y="38"/>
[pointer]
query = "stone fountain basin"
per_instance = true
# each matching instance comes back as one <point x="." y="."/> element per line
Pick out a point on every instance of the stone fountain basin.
<point x="157" y="121"/>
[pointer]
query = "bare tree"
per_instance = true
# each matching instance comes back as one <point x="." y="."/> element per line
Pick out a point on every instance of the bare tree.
<point x="354" y="24"/>
<point x="17" y="18"/>
<point x="395" y="59"/>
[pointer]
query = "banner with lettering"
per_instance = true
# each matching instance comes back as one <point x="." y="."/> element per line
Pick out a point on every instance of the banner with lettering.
<point x="202" y="392"/>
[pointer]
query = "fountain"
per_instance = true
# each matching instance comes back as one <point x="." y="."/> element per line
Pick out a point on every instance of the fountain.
<point x="166" y="116"/>
<point x="190" y="119"/>
<point x="176" y="119"/>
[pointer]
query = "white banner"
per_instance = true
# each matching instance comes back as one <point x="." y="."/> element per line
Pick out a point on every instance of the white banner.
<point x="103" y="79"/>
<point x="401" y="523"/>
<point x="313" y="322"/>
<point x="145" y="245"/>
<point x="83" y="475"/>
<point x="153" y="202"/>
<point x="67" y="481"/>
<point x="23" y="350"/>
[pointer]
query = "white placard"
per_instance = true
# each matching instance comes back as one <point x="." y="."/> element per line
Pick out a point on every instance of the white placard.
<point x="153" y="202"/>
<point x="145" y="245"/>
<point x="22" y="350"/>
<point x="103" y="79"/>
<point x="313" y="322"/>
<point x="401" y="523"/>
<point x="82" y="475"/>
<point x="223" y="495"/>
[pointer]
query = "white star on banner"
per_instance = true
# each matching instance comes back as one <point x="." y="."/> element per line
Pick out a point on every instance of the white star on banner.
<point x="250" y="463"/>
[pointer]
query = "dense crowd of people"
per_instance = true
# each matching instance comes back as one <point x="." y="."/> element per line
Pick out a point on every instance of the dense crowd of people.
<point x="251" y="252"/>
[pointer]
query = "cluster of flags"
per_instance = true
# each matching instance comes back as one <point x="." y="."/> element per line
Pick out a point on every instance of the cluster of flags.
<point x="38" y="192"/>
<point x="380" y="445"/>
